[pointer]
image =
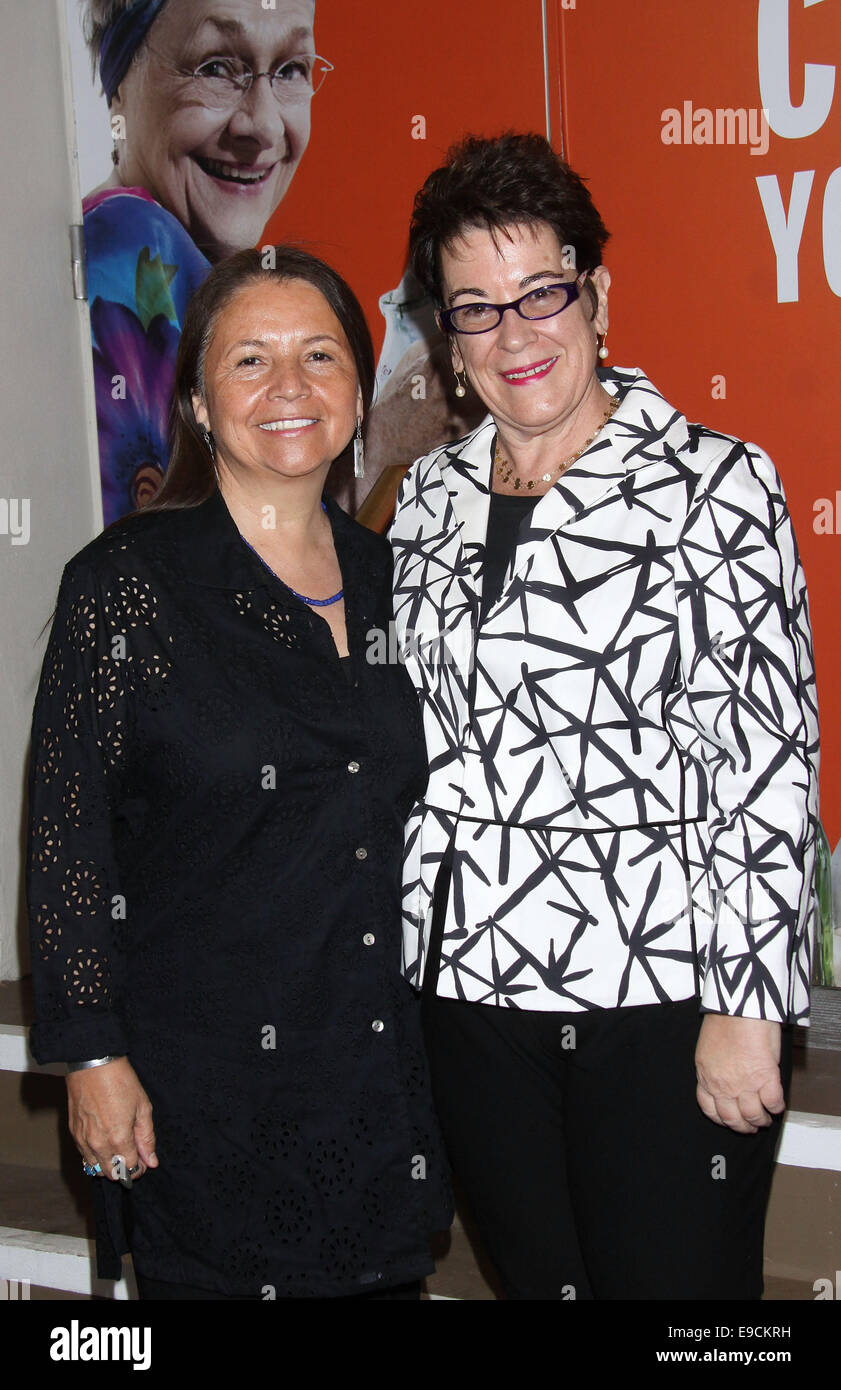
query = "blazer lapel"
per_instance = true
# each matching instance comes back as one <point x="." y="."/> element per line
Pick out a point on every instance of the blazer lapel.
<point x="589" y="478"/>
<point x="644" y="429"/>
<point x="466" y="475"/>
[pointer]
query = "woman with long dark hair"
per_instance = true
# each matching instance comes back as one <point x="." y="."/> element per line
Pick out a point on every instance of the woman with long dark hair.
<point x="219" y="781"/>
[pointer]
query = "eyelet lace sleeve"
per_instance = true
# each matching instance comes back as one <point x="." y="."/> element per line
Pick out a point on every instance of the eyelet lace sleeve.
<point x="75" y="909"/>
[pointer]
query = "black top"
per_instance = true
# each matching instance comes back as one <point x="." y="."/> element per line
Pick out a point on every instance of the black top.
<point x="217" y="821"/>
<point x="506" y="513"/>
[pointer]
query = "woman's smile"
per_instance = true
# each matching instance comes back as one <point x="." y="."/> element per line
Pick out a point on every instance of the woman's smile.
<point x="295" y="426"/>
<point x="238" y="177"/>
<point x="523" y="376"/>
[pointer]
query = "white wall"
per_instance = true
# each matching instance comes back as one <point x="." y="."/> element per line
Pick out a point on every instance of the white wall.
<point x="47" y="420"/>
<point x="91" y="109"/>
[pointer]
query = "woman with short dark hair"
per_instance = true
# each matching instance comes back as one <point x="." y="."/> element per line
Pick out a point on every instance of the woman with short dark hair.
<point x="608" y="881"/>
<point x="218" y="786"/>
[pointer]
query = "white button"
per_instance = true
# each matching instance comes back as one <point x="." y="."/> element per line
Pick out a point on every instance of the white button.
<point x="362" y="854"/>
<point x="353" y="766"/>
<point x="378" y="1025"/>
<point x="369" y="938"/>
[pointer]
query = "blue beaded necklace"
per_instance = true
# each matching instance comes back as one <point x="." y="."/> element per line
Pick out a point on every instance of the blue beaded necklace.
<point x="313" y="602"/>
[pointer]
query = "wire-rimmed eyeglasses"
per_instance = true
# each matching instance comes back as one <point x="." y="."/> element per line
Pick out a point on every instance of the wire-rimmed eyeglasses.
<point x="223" y="82"/>
<point x="540" y="303"/>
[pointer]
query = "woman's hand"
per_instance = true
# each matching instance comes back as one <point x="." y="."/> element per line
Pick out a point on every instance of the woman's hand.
<point x="110" y="1114"/>
<point x="737" y="1064"/>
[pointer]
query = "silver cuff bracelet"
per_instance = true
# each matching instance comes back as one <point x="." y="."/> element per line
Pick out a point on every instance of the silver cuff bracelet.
<point x="94" y="1062"/>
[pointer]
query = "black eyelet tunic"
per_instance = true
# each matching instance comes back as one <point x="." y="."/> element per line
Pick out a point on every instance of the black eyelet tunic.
<point x="216" y="832"/>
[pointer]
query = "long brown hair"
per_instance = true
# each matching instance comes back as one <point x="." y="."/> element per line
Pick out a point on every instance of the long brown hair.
<point x="190" y="477"/>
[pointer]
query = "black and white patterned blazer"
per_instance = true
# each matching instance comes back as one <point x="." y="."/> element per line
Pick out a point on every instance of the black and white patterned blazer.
<point x="624" y="752"/>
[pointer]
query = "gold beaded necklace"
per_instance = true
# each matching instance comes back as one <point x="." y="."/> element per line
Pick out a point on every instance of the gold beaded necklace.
<point x="501" y="462"/>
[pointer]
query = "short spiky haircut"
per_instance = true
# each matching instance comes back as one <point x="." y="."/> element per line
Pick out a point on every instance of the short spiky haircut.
<point x="496" y="183"/>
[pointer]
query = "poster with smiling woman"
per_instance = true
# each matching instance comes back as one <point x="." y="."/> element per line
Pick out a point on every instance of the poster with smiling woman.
<point x="199" y="162"/>
<point x="194" y="117"/>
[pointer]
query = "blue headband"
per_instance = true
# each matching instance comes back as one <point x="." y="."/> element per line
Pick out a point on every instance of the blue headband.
<point x="121" y="41"/>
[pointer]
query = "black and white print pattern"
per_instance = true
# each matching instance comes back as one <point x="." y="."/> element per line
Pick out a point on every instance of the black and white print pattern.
<point x="624" y="753"/>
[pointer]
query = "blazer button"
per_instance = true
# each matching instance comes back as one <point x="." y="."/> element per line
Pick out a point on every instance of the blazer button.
<point x="369" y="938"/>
<point x="353" y="766"/>
<point x="362" y="853"/>
<point x="378" y="1025"/>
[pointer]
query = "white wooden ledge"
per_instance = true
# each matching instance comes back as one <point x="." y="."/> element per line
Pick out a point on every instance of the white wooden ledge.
<point x="808" y="1141"/>
<point x="56" y="1262"/>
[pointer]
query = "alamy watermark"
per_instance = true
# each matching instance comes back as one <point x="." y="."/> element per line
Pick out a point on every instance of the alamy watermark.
<point x="827" y="1288"/>
<point x="79" y="1342"/>
<point x="386" y="646"/>
<point x="14" y="1290"/>
<point x="14" y="519"/>
<point x="751" y="910"/>
<point x="724" y="125"/>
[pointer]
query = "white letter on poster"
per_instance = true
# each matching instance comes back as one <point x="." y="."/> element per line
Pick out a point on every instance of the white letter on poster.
<point x="786" y="231"/>
<point x="832" y="231"/>
<point x="791" y="122"/>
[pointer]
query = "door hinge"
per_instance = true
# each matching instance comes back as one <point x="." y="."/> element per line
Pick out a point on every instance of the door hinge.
<point x="77" y="261"/>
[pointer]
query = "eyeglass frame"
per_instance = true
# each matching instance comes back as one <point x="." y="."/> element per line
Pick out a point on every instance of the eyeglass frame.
<point x="327" y="67"/>
<point x="573" y="288"/>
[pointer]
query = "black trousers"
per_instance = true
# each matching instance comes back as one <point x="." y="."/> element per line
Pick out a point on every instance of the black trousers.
<point x="586" y="1161"/>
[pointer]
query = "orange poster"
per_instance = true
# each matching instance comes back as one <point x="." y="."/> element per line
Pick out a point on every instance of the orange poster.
<point x="710" y="135"/>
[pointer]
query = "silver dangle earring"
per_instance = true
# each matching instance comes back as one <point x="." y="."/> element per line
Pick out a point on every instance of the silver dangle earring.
<point x="603" y="350"/>
<point x="461" y="387"/>
<point x="211" y="449"/>
<point x="358" y="451"/>
<point x="209" y="443"/>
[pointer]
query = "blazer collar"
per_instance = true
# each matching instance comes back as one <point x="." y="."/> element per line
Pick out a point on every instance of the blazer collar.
<point x="466" y="474"/>
<point x="644" y="429"/>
